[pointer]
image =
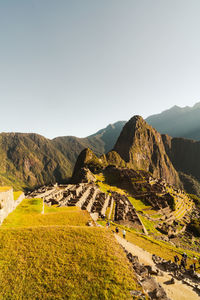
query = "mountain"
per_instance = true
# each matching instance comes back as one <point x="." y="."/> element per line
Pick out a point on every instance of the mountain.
<point x="99" y="142"/>
<point x="29" y="160"/>
<point x="138" y="147"/>
<point x="178" y="122"/>
<point x="185" y="157"/>
<point x="141" y="147"/>
<point x="108" y="136"/>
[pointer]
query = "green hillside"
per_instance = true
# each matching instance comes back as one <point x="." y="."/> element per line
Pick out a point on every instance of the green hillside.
<point x="29" y="160"/>
<point x="56" y="256"/>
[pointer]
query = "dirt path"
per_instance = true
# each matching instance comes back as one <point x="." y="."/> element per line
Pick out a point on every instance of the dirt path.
<point x="177" y="291"/>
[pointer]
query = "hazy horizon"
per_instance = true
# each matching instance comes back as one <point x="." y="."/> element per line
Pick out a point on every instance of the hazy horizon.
<point x="73" y="67"/>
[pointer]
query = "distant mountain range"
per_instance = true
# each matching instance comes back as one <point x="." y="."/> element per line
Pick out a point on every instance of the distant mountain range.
<point x="141" y="147"/>
<point x="178" y="122"/>
<point x="30" y="160"/>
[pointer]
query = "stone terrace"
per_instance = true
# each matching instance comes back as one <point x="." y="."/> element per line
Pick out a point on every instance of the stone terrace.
<point x="88" y="196"/>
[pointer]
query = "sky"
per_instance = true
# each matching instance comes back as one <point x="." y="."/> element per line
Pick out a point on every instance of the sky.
<point x="71" y="67"/>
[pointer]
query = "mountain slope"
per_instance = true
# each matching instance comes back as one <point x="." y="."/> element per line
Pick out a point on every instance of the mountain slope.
<point x="141" y="147"/>
<point x="178" y="122"/>
<point x="100" y="142"/>
<point x="31" y="160"/>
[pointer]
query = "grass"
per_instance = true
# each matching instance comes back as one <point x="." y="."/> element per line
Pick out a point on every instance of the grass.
<point x="17" y="194"/>
<point x="55" y="256"/>
<point x="63" y="263"/>
<point x="28" y="213"/>
<point x="148" y="243"/>
<point x="138" y="204"/>
<point x="5" y="188"/>
<point x="104" y="187"/>
<point x="149" y="225"/>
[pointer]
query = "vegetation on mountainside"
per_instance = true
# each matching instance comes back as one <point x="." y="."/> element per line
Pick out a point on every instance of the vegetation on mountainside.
<point x="194" y="227"/>
<point x="190" y="184"/>
<point x="30" y="160"/>
<point x="195" y="199"/>
<point x="100" y="142"/>
<point x="43" y="258"/>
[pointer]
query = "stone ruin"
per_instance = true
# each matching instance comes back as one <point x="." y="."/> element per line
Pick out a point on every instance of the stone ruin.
<point x="147" y="281"/>
<point x="187" y="276"/>
<point x="150" y="286"/>
<point x="7" y="203"/>
<point x="88" y="196"/>
<point x="125" y="213"/>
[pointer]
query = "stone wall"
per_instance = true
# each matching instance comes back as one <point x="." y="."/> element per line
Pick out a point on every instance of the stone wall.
<point x="19" y="200"/>
<point x="7" y="203"/>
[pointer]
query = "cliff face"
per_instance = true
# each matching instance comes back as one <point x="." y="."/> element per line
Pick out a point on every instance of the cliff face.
<point x="87" y="161"/>
<point x="184" y="154"/>
<point x="142" y="148"/>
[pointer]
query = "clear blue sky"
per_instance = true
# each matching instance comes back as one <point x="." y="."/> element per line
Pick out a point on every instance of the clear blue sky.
<point x="71" y="67"/>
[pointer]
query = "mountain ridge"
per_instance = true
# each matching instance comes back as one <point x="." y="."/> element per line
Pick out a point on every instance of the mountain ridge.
<point x="178" y="121"/>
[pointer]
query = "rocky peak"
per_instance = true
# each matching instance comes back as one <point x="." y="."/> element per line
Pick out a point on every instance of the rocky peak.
<point x="141" y="147"/>
<point x="87" y="159"/>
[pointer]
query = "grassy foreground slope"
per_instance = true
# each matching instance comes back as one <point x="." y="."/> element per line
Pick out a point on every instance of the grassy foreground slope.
<point x="46" y="258"/>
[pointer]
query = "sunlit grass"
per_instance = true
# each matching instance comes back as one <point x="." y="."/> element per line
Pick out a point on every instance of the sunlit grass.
<point x="63" y="263"/>
<point x="17" y="194"/>
<point x="150" y="244"/>
<point x="150" y="225"/>
<point x="5" y="188"/>
<point x="55" y="256"/>
<point x="29" y="213"/>
<point x="138" y="204"/>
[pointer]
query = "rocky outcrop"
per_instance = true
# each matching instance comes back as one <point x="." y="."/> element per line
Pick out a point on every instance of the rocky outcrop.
<point x="83" y="175"/>
<point x="184" y="154"/>
<point x="142" y="148"/>
<point x="148" y="283"/>
<point x="139" y="147"/>
<point x="87" y="159"/>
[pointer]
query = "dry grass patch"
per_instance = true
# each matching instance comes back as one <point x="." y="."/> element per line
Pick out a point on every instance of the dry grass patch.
<point x="61" y="262"/>
<point x="5" y="188"/>
<point x="17" y="194"/>
<point x="28" y="214"/>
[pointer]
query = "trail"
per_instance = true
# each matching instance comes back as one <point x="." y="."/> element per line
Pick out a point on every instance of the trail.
<point x="176" y="291"/>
